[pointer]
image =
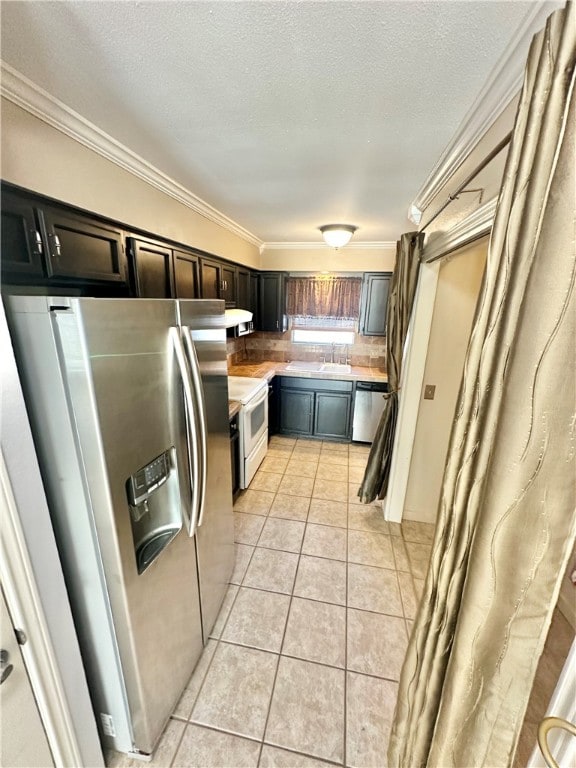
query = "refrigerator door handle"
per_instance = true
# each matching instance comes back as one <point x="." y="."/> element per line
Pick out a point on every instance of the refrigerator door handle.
<point x="201" y="413"/>
<point x="194" y="459"/>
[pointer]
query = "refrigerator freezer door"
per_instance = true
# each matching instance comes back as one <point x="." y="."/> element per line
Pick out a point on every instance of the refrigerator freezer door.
<point x="215" y="536"/>
<point x="109" y="416"/>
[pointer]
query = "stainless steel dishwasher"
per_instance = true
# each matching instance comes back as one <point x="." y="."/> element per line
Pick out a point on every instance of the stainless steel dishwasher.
<point x="368" y="407"/>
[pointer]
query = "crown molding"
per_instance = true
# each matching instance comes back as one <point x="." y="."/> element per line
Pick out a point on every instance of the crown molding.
<point x="502" y="86"/>
<point x="316" y="245"/>
<point x="26" y="94"/>
<point x="474" y="226"/>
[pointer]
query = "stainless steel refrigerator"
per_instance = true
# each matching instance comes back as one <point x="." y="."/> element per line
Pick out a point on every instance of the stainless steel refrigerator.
<point x="128" y="402"/>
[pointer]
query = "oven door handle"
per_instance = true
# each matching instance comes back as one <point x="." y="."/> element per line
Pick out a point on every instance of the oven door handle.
<point x="251" y="405"/>
<point x="193" y="453"/>
<point x="201" y="418"/>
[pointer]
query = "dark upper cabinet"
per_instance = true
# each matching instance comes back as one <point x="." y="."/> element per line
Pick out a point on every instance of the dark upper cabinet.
<point x="81" y="248"/>
<point x="22" y="244"/>
<point x="374" y="303"/>
<point x="151" y="269"/>
<point x="210" y="279"/>
<point x="254" y="296"/>
<point x="228" y="278"/>
<point x="272" y="302"/>
<point x="218" y="281"/>
<point x="243" y="289"/>
<point x="186" y="275"/>
<point x="45" y="245"/>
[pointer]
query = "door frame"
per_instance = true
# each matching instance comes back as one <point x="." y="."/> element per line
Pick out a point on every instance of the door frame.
<point x="25" y="607"/>
<point x="475" y="226"/>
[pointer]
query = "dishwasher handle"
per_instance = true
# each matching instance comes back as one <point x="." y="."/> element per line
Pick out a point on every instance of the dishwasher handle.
<point x="371" y="386"/>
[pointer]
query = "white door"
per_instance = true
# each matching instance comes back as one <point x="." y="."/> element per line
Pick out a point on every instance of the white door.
<point x="23" y="742"/>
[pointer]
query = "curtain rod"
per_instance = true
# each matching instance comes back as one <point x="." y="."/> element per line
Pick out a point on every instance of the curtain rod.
<point x="488" y="159"/>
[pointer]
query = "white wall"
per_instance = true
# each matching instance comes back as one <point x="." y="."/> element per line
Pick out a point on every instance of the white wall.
<point x="457" y="292"/>
<point x="43" y="159"/>
<point x="323" y="258"/>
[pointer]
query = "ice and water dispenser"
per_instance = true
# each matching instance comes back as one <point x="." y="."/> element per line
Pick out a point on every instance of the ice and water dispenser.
<point x="154" y="500"/>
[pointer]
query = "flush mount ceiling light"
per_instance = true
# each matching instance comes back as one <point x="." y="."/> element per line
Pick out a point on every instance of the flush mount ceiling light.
<point x="337" y="235"/>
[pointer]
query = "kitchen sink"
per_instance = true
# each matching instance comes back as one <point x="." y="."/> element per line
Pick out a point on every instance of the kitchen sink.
<point x="335" y="368"/>
<point x="318" y="367"/>
<point x="303" y="366"/>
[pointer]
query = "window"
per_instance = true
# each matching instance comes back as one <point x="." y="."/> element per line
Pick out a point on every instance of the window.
<point x="322" y="336"/>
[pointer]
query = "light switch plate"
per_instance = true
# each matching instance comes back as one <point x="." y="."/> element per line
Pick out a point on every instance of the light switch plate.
<point x="429" y="391"/>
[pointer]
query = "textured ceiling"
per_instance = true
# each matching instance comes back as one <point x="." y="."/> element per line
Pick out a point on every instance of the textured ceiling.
<point x="282" y="115"/>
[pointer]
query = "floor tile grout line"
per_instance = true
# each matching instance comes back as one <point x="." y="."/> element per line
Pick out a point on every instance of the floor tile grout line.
<point x="281" y="647"/>
<point x="345" y="735"/>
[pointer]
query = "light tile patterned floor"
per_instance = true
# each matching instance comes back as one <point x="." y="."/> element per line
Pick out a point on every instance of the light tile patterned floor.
<point x="303" y="664"/>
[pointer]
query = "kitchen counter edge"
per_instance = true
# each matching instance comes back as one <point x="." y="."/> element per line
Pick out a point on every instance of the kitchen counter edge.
<point x="268" y="369"/>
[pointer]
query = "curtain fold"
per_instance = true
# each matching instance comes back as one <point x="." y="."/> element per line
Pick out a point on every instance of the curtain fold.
<point x="506" y="522"/>
<point x="400" y="300"/>
<point x="323" y="297"/>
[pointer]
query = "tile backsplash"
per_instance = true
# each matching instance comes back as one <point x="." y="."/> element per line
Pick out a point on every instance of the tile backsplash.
<point x="279" y="347"/>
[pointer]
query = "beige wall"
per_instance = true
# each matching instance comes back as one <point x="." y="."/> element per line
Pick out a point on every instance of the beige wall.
<point x="45" y="160"/>
<point x="459" y="284"/>
<point x="323" y="258"/>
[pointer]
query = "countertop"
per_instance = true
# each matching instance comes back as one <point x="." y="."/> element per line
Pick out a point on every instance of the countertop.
<point x="268" y="369"/>
<point x="233" y="408"/>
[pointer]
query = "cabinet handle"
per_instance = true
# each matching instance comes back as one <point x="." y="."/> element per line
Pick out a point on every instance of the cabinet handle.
<point x="277" y="324"/>
<point x="37" y="240"/>
<point x="57" y="246"/>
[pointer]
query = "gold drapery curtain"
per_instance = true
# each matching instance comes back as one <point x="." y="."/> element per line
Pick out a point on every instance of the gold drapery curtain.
<point x="323" y="297"/>
<point x="400" y="301"/>
<point x="506" y="522"/>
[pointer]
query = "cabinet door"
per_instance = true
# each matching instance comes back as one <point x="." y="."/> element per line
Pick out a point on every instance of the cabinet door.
<point x="152" y="270"/>
<point x="186" y="275"/>
<point x="22" y="245"/>
<point x="243" y="289"/>
<point x="296" y="412"/>
<point x="332" y="415"/>
<point x="254" y="294"/>
<point x="210" y="279"/>
<point x="272" y="303"/>
<point x="374" y="303"/>
<point x="82" y="249"/>
<point x="228" y="292"/>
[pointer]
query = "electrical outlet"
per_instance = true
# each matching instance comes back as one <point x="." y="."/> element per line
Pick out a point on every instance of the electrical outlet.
<point x="429" y="391"/>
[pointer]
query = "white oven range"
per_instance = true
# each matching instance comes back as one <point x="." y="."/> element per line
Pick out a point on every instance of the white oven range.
<point x="252" y="423"/>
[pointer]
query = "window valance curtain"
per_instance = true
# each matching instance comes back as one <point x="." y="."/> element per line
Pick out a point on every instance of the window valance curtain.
<point x="323" y="297"/>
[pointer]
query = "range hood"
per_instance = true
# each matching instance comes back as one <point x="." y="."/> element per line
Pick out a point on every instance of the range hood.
<point x="234" y="317"/>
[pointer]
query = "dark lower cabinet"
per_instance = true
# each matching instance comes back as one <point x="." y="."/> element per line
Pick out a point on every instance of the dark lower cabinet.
<point x="152" y="269"/>
<point x="316" y="408"/>
<point x="332" y="415"/>
<point x="296" y="412"/>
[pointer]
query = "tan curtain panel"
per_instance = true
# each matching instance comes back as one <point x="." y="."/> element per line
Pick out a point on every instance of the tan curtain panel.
<point x="400" y="301"/>
<point x="323" y="297"/>
<point x="507" y="521"/>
